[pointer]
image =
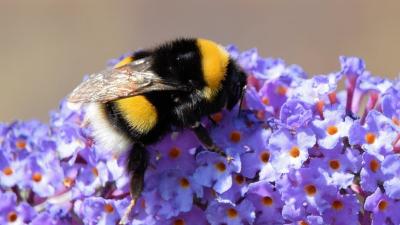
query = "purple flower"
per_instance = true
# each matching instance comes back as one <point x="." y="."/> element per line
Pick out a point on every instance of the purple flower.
<point x="333" y="128"/>
<point x="196" y="217"/>
<point x="257" y="160"/>
<point x="338" y="166"/>
<point x="306" y="188"/>
<point x="343" y="209"/>
<point x="176" y="151"/>
<point x="296" y="114"/>
<point x="177" y="189"/>
<point x="224" y="211"/>
<point x="267" y="202"/>
<point x="391" y="170"/>
<point x="13" y="213"/>
<point x="383" y="208"/>
<point x="376" y="136"/>
<point x="214" y="171"/>
<point x="290" y="150"/>
<point x="95" y="210"/>
<point x="371" y="173"/>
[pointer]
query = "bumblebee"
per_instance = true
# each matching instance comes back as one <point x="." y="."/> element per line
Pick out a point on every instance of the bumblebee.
<point x="153" y="91"/>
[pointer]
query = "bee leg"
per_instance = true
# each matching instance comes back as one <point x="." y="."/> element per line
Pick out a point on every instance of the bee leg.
<point x="202" y="134"/>
<point x="136" y="166"/>
<point x="212" y="121"/>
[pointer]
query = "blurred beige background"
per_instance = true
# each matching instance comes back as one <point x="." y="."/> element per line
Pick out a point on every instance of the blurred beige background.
<point x="46" y="46"/>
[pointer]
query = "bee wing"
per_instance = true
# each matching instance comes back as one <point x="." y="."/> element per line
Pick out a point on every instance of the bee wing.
<point x="129" y="80"/>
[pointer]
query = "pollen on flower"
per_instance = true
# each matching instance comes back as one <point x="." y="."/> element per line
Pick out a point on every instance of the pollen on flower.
<point x="68" y="182"/>
<point x="382" y="205"/>
<point x="281" y="90"/>
<point x="8" y="171"/>
<point x="334" y="164"/>
<point x="217" y="117"/>
<point x="264" y="156"/>
<point x="239" y="179"/>
<point x="260" y="114"/>
<point x="265" y="100"/>
<point x="12" y="216"/>
<point x="310" y="189"/>
<point x="395" y="120"/>
<point x="294" y="152"/>
<point x="337" y="205"/>
<point x="95" y="171"/>
<point x="179" y="222"/>
<point x="37" y="177"/>
<point x="108" y="208"/>
<point x="303" y="222"/>
<point x="20" y="144"/>
<point x="267" y="201"/>
<point x="184" y="183"/>
<point x="231" y="213"/>
<point x="374" y="165"/>
<point x="174" y="153"/>
<point x="332" y="130"/>
<point x="235" y="136"/>
<point x="220" y="166"/>
<point x="370" y="138"/>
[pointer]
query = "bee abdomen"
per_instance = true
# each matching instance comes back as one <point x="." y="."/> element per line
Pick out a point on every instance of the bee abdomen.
<point x="140" y="114"/>
<point x="104" y="131"/>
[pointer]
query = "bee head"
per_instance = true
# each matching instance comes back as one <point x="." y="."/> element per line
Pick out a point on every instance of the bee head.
<point x="236" y="84"/>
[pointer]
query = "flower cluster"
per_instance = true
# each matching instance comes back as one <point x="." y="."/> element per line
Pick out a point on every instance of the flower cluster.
<point x="304" y="152"/>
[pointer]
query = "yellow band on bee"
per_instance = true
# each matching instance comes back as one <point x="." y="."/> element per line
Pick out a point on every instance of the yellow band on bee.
<point x="214" y="60"/>
<point x="139" y="112"/>
<point x="123" y="62"/>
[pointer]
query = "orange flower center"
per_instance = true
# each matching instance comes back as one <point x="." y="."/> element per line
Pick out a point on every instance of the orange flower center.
<point x="184" y="183"/>
<point x="217" y="117"/>
<point x="396" y="121"/>
<point x="37" y="177"/>
<point x="370" y="138"/>
<point x="334" y="164"/>
<point x="382" y="205"/>
<point x="267" y="201"/>
<point x="68" y="182"/>
<point x="8" y="171"/>
<point x="374" y="165"/>
<point x="174" y="153"/>
<point x="108" y="208"/>
<point x="239" y="179"/>
<point x="12" y="216"/>
<point x="264" y="156"/>
<point x="179" y="222"/>
<point x="231" y="213"/>
<point x="310" y="190"/>
<point x="220" y="166"/>
<point x="265" y="100"/>
<point x="20" y="144"/>
<point x="260" y="114"/>
<point x="235" y="136"/>
<point x="331" y="130"/>
<point x="281" y="90"/>
<point x="294" y="152"/>
<point x="95" y="171"/>
<point x="303" y="222"/>
<point x="338" y="205"/>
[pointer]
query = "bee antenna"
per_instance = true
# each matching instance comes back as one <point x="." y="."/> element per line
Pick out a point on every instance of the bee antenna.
<point x="241" y="99"/>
